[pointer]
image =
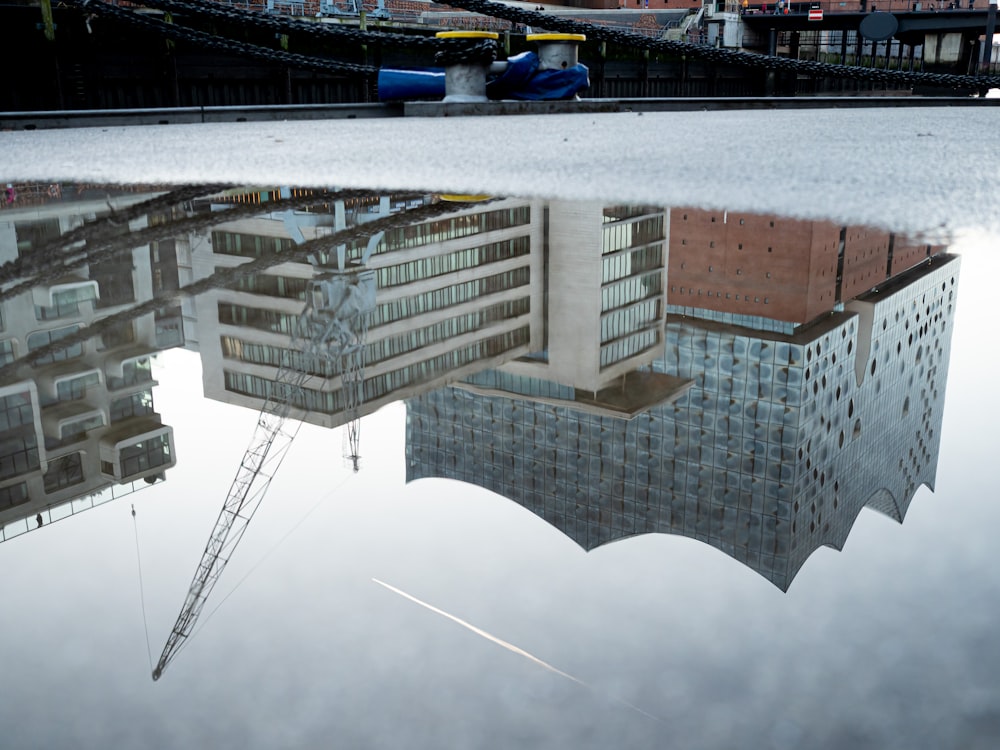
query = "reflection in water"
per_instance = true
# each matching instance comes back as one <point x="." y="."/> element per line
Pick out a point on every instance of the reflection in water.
<point x="749" y="381"/>
<point x="80" y="428"/>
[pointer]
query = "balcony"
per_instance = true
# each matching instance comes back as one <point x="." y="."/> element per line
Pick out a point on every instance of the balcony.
<point x="136" y="448"/>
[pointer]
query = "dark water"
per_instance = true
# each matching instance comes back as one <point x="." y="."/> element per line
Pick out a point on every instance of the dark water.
<point x="568" y="474"/>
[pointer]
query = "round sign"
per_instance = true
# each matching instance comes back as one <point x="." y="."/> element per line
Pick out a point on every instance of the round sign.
<point x="878" y="26"/>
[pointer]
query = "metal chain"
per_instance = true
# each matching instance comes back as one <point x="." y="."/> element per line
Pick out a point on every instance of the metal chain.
<point x="321" y="31"/>
<point x="456" y="50"/>
<point x="481" y="51"/>
<point x="722" y="56"/>
<point x="290" y="59"/>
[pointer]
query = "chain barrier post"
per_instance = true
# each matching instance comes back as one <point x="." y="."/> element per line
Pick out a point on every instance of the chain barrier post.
<point x="557" y="51"/>
<point x="465" y="79"/>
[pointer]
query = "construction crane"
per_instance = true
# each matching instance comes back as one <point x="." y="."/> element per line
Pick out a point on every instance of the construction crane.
<point x="328" y="341"/>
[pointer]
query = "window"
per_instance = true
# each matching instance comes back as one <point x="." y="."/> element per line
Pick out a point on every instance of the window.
<point x="16" y="494"/>
<point x="52" y="338"/>
<point x="249" y="245"/>
<point x="273" y="286"/>
<point x="79" y="427"/>
<point x="424" y="268"/>
<point x="76" y="387"/>
<point x="148" y="454"/>
<point x="121" y="334"/>
<point x="134" y="405"/>
<point x="6" y="351"/>
<point x="456" y="294"/>
<point x="63" y="472"/>
<point x="133" y="373"/>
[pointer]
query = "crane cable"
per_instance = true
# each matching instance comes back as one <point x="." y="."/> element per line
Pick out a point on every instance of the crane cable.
<point x="142" y="596"/>
<point x="253" y="568"/>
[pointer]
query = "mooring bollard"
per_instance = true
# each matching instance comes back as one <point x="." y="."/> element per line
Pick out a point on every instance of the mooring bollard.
<point x="557" y="51"/>
<point x="466" y="81"/>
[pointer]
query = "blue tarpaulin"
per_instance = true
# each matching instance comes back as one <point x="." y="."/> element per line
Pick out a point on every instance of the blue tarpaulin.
<point x="521" y="79"/>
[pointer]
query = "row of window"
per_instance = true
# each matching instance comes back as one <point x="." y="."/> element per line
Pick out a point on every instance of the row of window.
<point x="324" y="402"/>
<point x="418" y="372"/>
<point x="18" y="455"/>
<point x="629" y="346"/>
<point x="442" y="230"/>
<point x="16" y="411"/>
<point x="248" y="245"/>
<point x="274" y="356"/>
<point x="631" y="290"/>
<point x="456" y="294"/>
<point x="41" y="339"/>
<point x="148" y="454"/>
<point x="258" y="318"/>
<point x="623" y="265"/>
<point x="421" y="372"/>
<point x="633" y="234"/>
<point x="73" y="389"/>
<point x="133" y="373"/>
<point x="439" y="265"/>
<point x="620" y="213"/>
<point x="63" y="472"/>
<point x="273" y="286"/>
<point x="377" y="351"/>
<point x="62" y="309"/>
<point x="627" y="320"/>
<point x="396" y="346"/>
<point x="16" y="494"/>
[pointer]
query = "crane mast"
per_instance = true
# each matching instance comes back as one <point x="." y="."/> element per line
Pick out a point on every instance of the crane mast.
<point x="328" y="341"/>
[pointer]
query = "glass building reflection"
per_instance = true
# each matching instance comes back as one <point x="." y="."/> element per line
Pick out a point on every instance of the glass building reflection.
<point x="79" y="428"/>
<point x="787" y="426"/>
<point x="749" y="381"/>
<point x="454" y="296"/>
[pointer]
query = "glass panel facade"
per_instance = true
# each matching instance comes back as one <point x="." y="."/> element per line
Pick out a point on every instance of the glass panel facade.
<point x="388" y="348"/>
<point x="384" y="384"/>
<point x="76" y="388"/>
<point x="735" y="319"/>
<point x="473" y="257"/>
<point x="6" y="351"/>
<point x="32" y="235"/>
<point x="18" y="440"/>
<point x="133" y="373"/>
<point x="273" y="286"/>
<point x="273" y="356"/>
<point x="456" y="294"/>
<point x="249" y="245"/>
<point x="255" y="317"/>
<point x="627" y="320"/>
<point x="436" y="232"/>
<point x="620" y="213"/>
<point x="149" y="454"/>
<point x="134" y="405"/>
<point x="630" y="290"/>
<point x="122" y="334"/>
<point x="16" y="494"/>
<point x="80" y="426"/>
<point x="630" y="234"/>
<point x="63" y="472"/>
<point x="621" y="265"/>
<point x="629" y="346"/>
<point x="61" y="309"/>
<point x="44" y="338"/>
<point x="114" y="279"/>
